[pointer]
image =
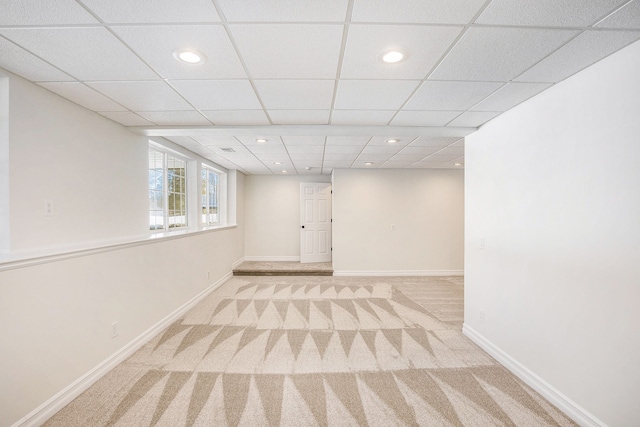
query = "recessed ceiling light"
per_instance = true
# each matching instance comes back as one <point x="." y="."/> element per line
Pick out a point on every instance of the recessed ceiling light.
<point x="457" y="164"/>
<point x="392" y="56"/>
<point x="189" y="56"/>
<point x="261" y="140"/>
<point x="392" y="141"/>
<point x="277" y="163"/>
<point x="284" y="171"/>
<point x="368" y="163"/>
<point x="308" y="168"/>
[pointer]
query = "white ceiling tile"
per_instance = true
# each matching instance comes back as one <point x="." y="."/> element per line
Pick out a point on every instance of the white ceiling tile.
<point x="126" y="118"/>
<point x="419" y="150"/>
<point x="437" y="157"/>
<point x="430" y="141"/>
<point x="474" y="118"/>
<point x="345" y="162"/>
<point x="626" y="17"/>
<point x="306" y="157"/>
<point x="284" y="10"/>
<point x="373" y="157"/>
<point x="416" y="11"/>
<point x="382" y="140"/>
<point x="216" y="141"/>
<point x="343" y="149"/>
<point x="411" y="158"/>
<point x="299" y="117"/>
<point x="380" y="149"/>
<point x="296" y="94"/>
<point x="84" y="53"/>
<point x="584" y="50"/>
<point x="362" y="117"/>
<point x="142" y="96"/>
<point x="175" y="118"/>
<point x="156" y="44"/>
<point x="424" y="118"/>
<point x="373" y="94"/>
<point x="547" y="13"/>
<point x="391" y="164"/>
<point x="452" y="151"/>
<point x="422" y="45"/>
<point x="499" y="54"/>
<point x="308" y="149"/>
<point x="267" y="149"/>
<point x="19" y="61"/>
<point x="83" y="95"/>
<point x="153" y="11"/>
<point x="303" y="140"/>
<point x="218" y="94"/>
<point x="335" y="158"/>
<point x="348" y="140"/>
<point x="509" y="96"/>
<point x="237" y="117"/>
<point x="38" y="12"/>
<point x="247" y="140"/>
<point x="451" y="96"/>
<point x="289" y="51"/>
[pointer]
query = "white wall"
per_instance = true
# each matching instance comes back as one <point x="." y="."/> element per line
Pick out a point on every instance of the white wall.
<point x="553" y="189"/>
<point x="272" y="204"/>
<point x="80" y="161"/>
<point x="56" y="312"/>
<point x="425" y="205"/>
<point x="5" y="240"/>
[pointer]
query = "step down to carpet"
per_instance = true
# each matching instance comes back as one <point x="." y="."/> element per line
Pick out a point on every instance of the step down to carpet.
<point x="263" y="268"/>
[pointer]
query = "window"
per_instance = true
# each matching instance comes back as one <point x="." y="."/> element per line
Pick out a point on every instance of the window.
<point x="167" y="191"/>
<point x="210" y="196"/>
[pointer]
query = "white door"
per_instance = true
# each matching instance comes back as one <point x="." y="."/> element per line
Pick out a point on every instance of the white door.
<point x="315" y="222"/>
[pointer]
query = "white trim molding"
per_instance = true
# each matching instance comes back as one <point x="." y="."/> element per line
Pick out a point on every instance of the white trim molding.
<point x="284" y="258"/>
<point x="566" y="405"/>
<point x="49" y="408"/>
<point x="414" y="273"/>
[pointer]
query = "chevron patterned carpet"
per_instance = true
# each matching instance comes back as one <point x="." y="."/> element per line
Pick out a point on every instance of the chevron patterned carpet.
<point x="314" y="351"/>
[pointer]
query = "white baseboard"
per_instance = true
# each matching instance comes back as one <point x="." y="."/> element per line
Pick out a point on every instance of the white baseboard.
<point x="399" y="273"/>
<point x="238" y="263"/>
<point x="49" y="408"/>
<point x="566" y="405"/>
<point x="273" y="258"/>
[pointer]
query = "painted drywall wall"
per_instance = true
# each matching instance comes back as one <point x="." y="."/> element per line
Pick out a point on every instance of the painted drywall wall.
<point x="5" y="232"/>
<point x="56" y="312"/>
<point x="390" y="221"/>
<point x="552" y="195"/>
<point x="78" y="160"/>
<point x="272" y="205"/>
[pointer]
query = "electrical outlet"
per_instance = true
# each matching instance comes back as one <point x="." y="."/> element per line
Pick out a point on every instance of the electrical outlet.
<point x="48" y="208"/>
<point x="481" y="315"/>
<point x="114" y="329"/>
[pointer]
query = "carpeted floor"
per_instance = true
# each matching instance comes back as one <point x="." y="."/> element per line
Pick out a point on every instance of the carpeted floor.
<point x="307" y="351"/>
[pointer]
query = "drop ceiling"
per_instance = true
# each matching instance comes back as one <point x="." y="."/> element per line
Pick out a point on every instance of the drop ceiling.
<point x="307" y="75"/>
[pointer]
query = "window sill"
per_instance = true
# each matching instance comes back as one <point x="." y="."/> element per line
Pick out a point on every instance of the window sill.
<point x="35" y="257"/>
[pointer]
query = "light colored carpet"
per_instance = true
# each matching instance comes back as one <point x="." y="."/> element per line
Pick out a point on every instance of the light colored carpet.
<point x="314" y="351"/>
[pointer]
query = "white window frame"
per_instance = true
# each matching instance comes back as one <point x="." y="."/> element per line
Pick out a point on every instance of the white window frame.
<point x="166" y="154"/>
<point x="205" y="202"/>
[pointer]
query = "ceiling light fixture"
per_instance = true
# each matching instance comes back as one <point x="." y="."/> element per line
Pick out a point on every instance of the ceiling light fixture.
<point x="284" y="171"/>
<point x="392" y="57"/>
<point x="457" y="164"/>
<point x="392" y="141"/>
<point x="189" y="56"/>
<point x="261" y="140"/>
<point x="308" y="168"/>
<point x="368" y="163"/>
<point x="277" y="163"/>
